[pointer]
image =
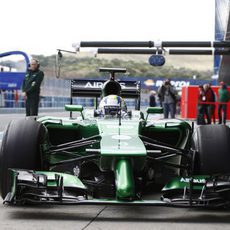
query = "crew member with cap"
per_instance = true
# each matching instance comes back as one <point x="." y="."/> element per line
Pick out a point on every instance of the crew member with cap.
<point x="223" y="99"/>
<point x="31" y="87"/>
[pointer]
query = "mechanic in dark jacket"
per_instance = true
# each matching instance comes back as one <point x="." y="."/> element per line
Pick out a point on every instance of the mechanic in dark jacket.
<point x="31" y="87"/>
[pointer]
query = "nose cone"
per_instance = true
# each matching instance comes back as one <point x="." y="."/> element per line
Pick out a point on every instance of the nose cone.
<point x="125" y="188"/>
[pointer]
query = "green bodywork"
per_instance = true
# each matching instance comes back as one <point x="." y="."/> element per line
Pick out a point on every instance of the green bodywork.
<point x="121" y="149"/>
<point x="123" y="152"/>
<point x="180" y="183"/>
<point x="68" y="180"/>
<point x="125" y="188"/>
<point x="74" y="108"/>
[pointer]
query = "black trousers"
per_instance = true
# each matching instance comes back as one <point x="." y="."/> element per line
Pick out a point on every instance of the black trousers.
<point x="222" y="108"/>
<point x="202" y="111"/>
<point x="32" y="103"/>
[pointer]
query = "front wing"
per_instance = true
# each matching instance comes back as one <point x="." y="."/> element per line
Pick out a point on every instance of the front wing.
<point x="61" y="188"/>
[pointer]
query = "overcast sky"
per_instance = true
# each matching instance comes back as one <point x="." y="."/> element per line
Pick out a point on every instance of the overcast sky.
<point x="41" y="27"/>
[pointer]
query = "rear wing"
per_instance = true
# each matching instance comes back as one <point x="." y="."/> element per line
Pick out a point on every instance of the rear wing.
<point x="93" y="88"/>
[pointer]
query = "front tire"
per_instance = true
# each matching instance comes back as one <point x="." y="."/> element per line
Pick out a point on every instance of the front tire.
<point x="212" y="143"/>
<point x="20" y="149"/>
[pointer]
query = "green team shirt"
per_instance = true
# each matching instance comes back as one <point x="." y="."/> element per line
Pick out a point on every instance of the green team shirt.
<point x="223" y="95"/>
<point x="32" y="82"/>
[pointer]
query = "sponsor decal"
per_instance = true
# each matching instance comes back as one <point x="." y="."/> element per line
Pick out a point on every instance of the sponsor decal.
<point x="123" y="86"/>
<point x="149" y="82"/>
<point x="176" y="83"/>
<point x="121" y="137"/>
<point x="97" y="84"/>
<point x="94" y="85"/>
<point x="195" y="180"/>
<point x="12" y="85"/>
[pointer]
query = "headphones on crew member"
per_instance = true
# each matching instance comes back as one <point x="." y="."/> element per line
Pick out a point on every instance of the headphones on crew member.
<point x="37" y="61"/>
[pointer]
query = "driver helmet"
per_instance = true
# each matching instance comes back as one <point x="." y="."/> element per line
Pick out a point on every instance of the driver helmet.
<point x="110" y="105"/>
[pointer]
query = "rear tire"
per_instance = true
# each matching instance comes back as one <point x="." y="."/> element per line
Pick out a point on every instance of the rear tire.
<point x="212" y="143"/>
<point x="20" y="149"/>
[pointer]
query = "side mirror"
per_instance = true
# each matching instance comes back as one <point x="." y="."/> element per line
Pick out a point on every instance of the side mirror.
<point x="153" y="110"/>
<point x="74" y="108"/>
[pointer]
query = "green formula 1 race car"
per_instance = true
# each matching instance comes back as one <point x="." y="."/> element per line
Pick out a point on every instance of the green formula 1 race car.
<point x="113" y="155"/>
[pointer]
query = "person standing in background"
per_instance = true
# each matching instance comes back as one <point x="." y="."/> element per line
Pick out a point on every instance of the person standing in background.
<point x="209" y="99"/>
<point x="152" y="99"/>
<point x="31" y="87"/>
<point x="223" y="98"/>
<point x="167" y="94"/>
<point x="201" y="109"/>
<point x="212" y="107"/>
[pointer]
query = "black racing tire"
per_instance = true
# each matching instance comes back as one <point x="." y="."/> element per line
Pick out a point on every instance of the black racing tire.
<point x="212" y="145"/>
<point x="20" y="149"/>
